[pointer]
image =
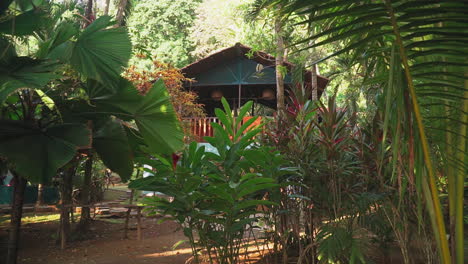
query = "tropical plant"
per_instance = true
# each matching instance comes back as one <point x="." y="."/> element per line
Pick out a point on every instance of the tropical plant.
<point x="332" y="189"/>
<point x="215" y="195"/>
<point x="49" y="114"/>
<point x="412" y="49"/>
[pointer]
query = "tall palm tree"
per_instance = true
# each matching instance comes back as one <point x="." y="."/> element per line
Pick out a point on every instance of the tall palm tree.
<point x="421" y="49"/>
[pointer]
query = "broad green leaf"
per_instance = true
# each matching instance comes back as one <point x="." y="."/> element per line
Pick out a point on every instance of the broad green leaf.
<point x="225" y="120"/>
<point x="9" y="87"/>
<point x="243" y="111"/>
<point x="101" y="53"/>
<point x="53" y="48"/>
<point x="153" y="113"/>
<point x="25" y="73"/>
<point x="23" y="24"/>
<point x="244" y="126"/>
<point x="62" y="52"/>
<point x="111" y="143"/>
<point x="37" y="153"/>
<point x="255" y="188"/>
<point x="157" y="122"/>
<point x="221" y="132"/>
<point x="227" y="110"/>
<point x="252" y="203"/>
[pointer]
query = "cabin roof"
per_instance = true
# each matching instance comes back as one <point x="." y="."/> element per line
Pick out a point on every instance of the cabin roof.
<point x="210" y="64"/>
<point x="240" y="74"/>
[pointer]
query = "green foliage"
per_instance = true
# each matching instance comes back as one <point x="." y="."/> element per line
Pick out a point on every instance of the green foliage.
<point x="76" y="73"/>
<point x="216" y="195"/>
<point x="101" y="53"/>
<point x="337" y="242"/>
<point x="152" y="113"/>
<point x="38" y="153"/>
<point x="404" y="52"/>
<point x="161" y="29"/>
<point x="111" y="144"/>
<point x="336" y="187"/>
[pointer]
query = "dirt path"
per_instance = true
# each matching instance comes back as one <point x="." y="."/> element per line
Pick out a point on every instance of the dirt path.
<point x="105" y="246"/>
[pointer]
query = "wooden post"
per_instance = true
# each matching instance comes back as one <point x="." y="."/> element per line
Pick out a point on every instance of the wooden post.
<point x="139" y="223"/>
<point x="16" y="215"/>
<point x="240" y="95"/>
<point x="86" y="191"/>
<point x="66" y="204"/>
<point x="127" y="219"/>
<point x="40" y="195"/>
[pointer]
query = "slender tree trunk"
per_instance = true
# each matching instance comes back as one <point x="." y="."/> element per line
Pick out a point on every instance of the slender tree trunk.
<point x="40" y="195"/>
<point x="88" y="13"/>
<point x="314" y="83"/>
<point x="279" y="66"/>
<point x="120" y="12"/>
<point x="16" y="215"/>
<point x="66" y="202"/>
<point x="85" y="195"/>
<point x="314" y="70"/>
<point x="106" y="8"/>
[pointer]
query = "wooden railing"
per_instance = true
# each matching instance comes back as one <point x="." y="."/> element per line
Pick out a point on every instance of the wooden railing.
<point x="200" y="127"/>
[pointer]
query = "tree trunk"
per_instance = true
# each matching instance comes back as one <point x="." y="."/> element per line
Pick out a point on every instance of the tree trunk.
<point x="120" y="12"/>
<point x="279" y="66"/>
<point x="132" y="193"/>
<point x="314" y="83"/>
<point x="40" y="195"/>
<point x="89" y="9"/>
<point x="85" y="194"/>
<point x="66" y="205"/>
<point x="88" y="15"/>
<point x="16" y="215"/>
<point x="106" y="8"/>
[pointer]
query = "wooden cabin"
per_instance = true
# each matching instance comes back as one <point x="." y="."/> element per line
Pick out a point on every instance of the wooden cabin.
<point x="239" y="74"/>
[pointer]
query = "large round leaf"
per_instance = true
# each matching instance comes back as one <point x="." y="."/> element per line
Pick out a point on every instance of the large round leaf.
<point x="153" y="113"/>
<point x="37" y="153"/>
<point x="101" y="53"/>
<point x="157" y="122"/>
<point x="24" y="72"/>
<point x="23" y="24"/>
<point x="111" y="143"/>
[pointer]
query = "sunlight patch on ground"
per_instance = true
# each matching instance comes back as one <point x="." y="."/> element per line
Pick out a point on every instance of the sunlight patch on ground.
<point x="248" y="254"/>
<point x="30" y="218"/>
<point x="182" y="251"/>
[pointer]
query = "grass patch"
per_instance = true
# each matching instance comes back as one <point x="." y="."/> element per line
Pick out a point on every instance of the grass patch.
<point x="34" y="218"/>
<point x="110" y="195"/>
<point x="31" y="218"/>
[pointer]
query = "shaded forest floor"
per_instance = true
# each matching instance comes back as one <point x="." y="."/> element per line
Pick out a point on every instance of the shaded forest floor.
<point x="103" y="245"/>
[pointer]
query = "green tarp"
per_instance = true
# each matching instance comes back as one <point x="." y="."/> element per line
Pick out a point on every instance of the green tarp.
<point x="51" y="195"/>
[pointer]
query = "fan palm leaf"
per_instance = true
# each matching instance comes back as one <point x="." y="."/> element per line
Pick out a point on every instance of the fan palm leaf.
<point x="429" y="37"/>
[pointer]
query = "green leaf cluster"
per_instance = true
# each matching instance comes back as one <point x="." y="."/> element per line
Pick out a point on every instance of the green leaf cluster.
<point x="217" y="195"/>
<point x="66" y="97"/>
